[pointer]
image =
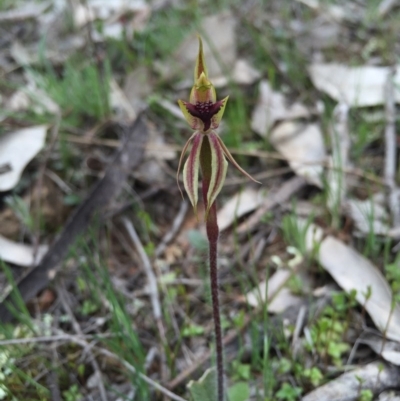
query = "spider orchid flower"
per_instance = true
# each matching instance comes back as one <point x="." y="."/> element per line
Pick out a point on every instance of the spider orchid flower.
<point x="204" y="113"/>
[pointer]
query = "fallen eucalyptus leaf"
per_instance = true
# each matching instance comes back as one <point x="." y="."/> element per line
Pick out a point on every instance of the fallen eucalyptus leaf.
<point x="241" y="203"/>
<point x="352" y="271"/>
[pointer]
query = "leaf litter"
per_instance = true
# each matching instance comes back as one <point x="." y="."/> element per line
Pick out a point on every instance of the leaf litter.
<point x="293" y="125"/>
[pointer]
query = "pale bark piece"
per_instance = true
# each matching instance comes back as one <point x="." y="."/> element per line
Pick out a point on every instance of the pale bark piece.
<point x="374" y="376"/>
<point x="240" y="204"/>
<point x="352" y="271"/>
<point x="20" y="254"/>
<point x="303" y="147"/>
<point x="105" y="10"/>
<point x="388" y="350"/>
<point x="29" y="10"/>
<point x="17" y="149"/>
<point x="272" y="107"/>
<point x="355" y="86"/>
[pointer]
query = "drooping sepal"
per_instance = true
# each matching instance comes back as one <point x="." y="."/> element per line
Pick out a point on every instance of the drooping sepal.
<point x="219" y="166"/>
<point x="181" y="159"/>
<point x="191" y="170"/>
<point x="233" y="161"/>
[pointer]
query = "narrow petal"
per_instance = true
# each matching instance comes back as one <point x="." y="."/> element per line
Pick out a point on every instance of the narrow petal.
<point x="216" y="118"/>
<point x="233" y="161"/>
<point x="200" y="62"/>
<point x="181" y="158"/>
<point x="219" y="166"/>
<point x="191" y="170"/>
<point x="194" y="122"/>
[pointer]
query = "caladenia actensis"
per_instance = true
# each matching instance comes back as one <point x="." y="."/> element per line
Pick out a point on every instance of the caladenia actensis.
<point x="203" y="113"/>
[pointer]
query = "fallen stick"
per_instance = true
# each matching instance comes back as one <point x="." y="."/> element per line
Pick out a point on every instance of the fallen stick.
<point x="106" y="189"/>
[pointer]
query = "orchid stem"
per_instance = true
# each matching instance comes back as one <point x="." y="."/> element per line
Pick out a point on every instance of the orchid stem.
<point x="212" y="235"/>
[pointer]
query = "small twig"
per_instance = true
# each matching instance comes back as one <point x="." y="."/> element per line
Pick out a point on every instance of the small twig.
<point x="40" y="180"/>
<point x="78" y="330"/>
<point x="49" y="339"/>
<point x="174" y="229"/>
<point x="297" y="330"/>
<point x="153" y="290"/>
<point x="109" y="354"/>
<point x="390" y="150"/>
<point x="106" y="189"/>
<point x="52" y="379"/>
<point x="151" y="277"/>
<point x="286" y="191"/>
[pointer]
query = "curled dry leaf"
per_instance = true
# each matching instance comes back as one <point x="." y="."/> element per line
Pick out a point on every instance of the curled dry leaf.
<point x="374" y="376"/>
<point x="388" y="350"/>
<point x="352" y="271"/>
<point x="355" y="86"/>
<point x="17" y="149"/>
<point x="303" y="147"/>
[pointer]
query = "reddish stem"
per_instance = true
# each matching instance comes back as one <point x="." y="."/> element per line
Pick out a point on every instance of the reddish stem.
<point x="212" y="235"/>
